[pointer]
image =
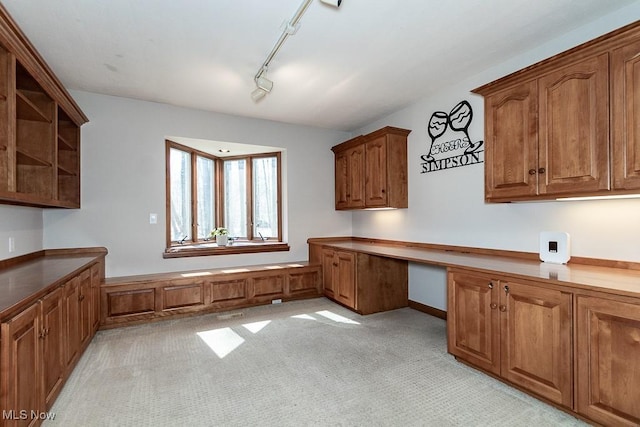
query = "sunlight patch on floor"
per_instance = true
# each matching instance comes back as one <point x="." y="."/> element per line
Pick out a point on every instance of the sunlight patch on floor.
<point x="222" y="341"/>
<point x="256" y="327"/>
<point x="303" y="316"/>
<point x="336" y="317"/>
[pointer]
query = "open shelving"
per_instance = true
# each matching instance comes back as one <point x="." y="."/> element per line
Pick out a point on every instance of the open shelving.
<point x="39" y="127"/>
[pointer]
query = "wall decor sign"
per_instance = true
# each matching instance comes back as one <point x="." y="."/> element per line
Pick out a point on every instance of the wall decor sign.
<point x="451" y="145"/>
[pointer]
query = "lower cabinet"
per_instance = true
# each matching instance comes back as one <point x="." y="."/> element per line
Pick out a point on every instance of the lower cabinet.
<point x="517" y="330"/>
<point x="38" y="348"/>
<point x="608" y="360"/>
<point x="365" y="283"/>
<point x="130" y="300"/>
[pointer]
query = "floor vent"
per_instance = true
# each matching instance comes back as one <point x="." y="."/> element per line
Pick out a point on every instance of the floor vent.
<point x="230" y="315"/>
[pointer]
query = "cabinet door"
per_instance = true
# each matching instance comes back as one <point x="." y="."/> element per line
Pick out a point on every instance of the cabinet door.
<point x="21" y="362"/>
<point x="356" y="189"/>
<point x="349" y="178"/>
<point x="53" y="352"/>
<point x="473" y="326"/>
<point x="95" y="297"/>
<point x="536" y="340"/>
<point x="625" y="65"/>
<point x="72" y="320"/>
<point x="84" y="301"/>
<point x="511" y="132"/>
<point x="574" y="128"/>
<point x="376" y="172"/>
<point x="345" y="279"/>
<point x="327" y="272"/>
<point x="342" y="180"/>
<point x="608" y="361"/>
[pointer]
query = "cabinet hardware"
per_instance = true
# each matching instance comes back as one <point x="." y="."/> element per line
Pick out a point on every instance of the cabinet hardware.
<point x="506" y="290"/>
<point x="490" y="285"/>
<point x="532" y="171"/>
<point x="42" y="334"/>
<point x="541" y="170"/>
<point x="503" y="308"/>
<point x="81" y="298"/>
<point x="493" y="305"/>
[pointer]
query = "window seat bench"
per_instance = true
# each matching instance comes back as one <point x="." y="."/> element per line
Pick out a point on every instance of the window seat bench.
<point x="145" y="298"/>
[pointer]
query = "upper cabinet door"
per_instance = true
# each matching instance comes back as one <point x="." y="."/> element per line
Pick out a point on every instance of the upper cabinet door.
<point x="625" y="66"/>
<point x="511" y="153"/>
<point x="574" y="128"/>
<point x="376" y="172"/>
<point x="356" y="175"/>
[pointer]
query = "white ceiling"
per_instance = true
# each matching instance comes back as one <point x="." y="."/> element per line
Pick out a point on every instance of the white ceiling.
<point x="343" y="68"/>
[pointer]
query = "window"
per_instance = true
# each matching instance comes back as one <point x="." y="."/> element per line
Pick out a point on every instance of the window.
<point x="241" y="193"/>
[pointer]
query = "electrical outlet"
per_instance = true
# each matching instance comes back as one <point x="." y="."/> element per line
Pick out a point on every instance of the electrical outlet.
<point x="12" y="244"/>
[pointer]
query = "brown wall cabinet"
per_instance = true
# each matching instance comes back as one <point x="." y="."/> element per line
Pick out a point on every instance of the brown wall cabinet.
<point x="39" y="128"/>
<point x="371" y="170"/>
<point x="566" y="126"/>
<point x="520" y="331"/>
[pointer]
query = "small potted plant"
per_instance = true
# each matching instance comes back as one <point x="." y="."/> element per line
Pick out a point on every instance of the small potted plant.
<point x="222" y="236"/>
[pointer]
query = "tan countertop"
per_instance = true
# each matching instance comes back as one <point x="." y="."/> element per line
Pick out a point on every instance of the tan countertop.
<point x="619" y="281"/>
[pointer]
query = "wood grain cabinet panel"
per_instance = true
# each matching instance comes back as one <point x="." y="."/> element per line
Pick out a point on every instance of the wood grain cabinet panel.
<point x="130" y="302"/>
<point x="566" y="126"/>
<point x="53" y="330"/>
<point x="371" y="170"/>
<point x="176" y="296"/>
<point x="72" y="320"/>
<point x="84" y="301"/>
<point x="303" y="281"/>
<point x="225" y="293"/>
<point x="518" y="330"/>
<point x="536" y="338"/>
<point x="364" y="283"/>
<point x="266" y="287"/>
<point x="608" y="360"/>
<point x="574" y="128"/>
<point x="511" y="129"/>
<point x="21" y="362"/>
<point x="625" y="65"/>
<point x="473" y="326"/>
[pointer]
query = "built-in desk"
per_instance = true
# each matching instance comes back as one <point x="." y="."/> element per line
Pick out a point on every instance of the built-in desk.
<point x="567" y="334"/>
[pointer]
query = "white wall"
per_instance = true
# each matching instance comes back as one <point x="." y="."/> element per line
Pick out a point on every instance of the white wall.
<point x="123" y="180"/>
<point x="24" y="225"/>
<point x="447" y="207"/>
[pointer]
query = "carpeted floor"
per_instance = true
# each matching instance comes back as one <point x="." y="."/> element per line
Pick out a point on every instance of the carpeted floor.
<point x="303" y="363"/>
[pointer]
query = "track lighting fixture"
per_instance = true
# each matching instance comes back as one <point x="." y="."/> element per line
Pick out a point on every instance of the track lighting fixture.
<point x="264" y="85"/>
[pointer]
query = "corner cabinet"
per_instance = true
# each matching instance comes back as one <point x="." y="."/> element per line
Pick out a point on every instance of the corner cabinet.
<point x="371" y="170"/>
<point x="39" y="127"/>
<point x="548" y="127"/>
<point x="517" y="330"/>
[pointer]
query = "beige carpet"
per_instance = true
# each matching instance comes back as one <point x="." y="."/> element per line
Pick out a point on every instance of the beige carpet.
<point x="304" y="363"/>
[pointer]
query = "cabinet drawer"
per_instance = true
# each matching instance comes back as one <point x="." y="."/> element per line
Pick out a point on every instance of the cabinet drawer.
<point x="126" y="303"/>
<point x="178" y="296"/>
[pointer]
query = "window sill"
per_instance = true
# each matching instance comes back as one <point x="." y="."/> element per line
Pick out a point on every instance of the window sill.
<point x="212" y="249"/>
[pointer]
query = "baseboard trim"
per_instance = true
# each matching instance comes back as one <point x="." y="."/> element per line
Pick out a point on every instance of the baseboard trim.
<point x="436" y="312"/>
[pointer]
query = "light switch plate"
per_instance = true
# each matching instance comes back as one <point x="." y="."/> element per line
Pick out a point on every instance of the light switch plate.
<point x="555" y="247"/>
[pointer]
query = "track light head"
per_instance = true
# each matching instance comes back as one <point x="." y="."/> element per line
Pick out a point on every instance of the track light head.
<point x="334" y="3"/>
<point x="264" y="83"/>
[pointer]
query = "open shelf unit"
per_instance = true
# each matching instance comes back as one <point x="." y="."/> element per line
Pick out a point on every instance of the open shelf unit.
<point x="39" y="127"/>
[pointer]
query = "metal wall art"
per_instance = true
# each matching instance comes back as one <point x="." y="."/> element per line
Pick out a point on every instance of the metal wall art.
<point x="451" y="145"/>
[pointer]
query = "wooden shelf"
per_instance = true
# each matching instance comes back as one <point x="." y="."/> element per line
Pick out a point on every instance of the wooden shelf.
<point x="64" y="143"/>
<point x="28" y="110"/>
<point x="25" y="158"/>
<point x="65" y="171"/>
